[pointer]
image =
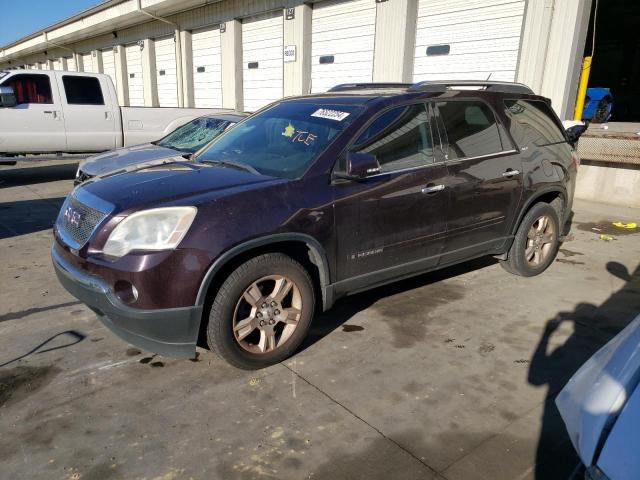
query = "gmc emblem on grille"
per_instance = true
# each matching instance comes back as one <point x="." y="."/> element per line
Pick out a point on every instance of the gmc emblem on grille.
<point x="72" y="216"/>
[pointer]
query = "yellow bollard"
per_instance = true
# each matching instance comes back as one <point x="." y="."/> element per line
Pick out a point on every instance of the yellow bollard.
<point x="582" y="88"/>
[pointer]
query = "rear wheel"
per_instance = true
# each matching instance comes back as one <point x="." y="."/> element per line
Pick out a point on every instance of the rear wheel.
<point x="536" y="242"/>
<point x="262" y="312"/>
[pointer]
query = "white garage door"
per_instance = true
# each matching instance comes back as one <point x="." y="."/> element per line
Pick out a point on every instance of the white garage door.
<point x="342" y="43"/>
<point x="109" y="64"/>
<point x="262" y="45"/>
<point x="57" y="64"/>
<point x="166" y="72"/>
<point x="468" y="39"/>
<point x="87" y="62"/>
<point x="134" y="75"/>
<point x="207" y="68"/>
<point x="71" y="64"/>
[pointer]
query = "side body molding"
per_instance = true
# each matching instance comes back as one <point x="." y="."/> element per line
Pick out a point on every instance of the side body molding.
<point x="318" y="257"/>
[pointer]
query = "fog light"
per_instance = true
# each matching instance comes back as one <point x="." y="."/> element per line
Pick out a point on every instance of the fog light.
<point x="125" y="291"/>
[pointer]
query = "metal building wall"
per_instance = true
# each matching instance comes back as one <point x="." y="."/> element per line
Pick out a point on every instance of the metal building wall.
<point x="549" y="58"/>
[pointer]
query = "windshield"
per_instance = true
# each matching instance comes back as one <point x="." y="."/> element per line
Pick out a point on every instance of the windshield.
<point x="283" y="140"/>
<point x="192" y="136"/>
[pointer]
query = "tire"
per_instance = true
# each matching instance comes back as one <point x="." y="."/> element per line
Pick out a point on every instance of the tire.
<point x="250" y="326"/>
<point x="529" y="256"/>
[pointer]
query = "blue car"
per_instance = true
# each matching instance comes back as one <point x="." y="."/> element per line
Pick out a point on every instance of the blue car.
<point x="597" y="105"/>
<point x="600" y="406"/>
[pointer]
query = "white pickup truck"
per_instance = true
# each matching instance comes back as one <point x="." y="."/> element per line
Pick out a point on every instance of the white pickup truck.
<point x="46" y="111"/>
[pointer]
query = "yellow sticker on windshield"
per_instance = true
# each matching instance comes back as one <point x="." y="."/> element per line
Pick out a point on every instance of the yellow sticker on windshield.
<point x="289" y="131"/>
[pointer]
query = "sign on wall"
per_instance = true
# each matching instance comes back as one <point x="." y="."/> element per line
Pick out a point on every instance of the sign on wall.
<point x="289" y="53"/>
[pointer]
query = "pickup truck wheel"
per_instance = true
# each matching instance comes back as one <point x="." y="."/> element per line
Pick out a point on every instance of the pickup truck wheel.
<point x="535" y="244"/>
<point x="262" y="312"/>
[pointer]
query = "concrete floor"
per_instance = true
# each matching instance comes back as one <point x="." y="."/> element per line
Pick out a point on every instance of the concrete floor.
<point x="449" y="375"/>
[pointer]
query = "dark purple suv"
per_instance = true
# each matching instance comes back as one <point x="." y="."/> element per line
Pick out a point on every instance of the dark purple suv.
<point x="311" y="199"/>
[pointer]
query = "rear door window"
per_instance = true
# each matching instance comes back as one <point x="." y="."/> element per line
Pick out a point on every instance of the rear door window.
<point x="399" y="138"/>
<point x="31" y="88"/>
<point x="82" y="90"/>
<point x="471" y="128"/>
<point x="537" y="122"/>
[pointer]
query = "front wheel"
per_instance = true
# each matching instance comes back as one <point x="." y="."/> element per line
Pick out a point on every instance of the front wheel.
<point x="262" y="312"/>
<point x="535" y="244"/>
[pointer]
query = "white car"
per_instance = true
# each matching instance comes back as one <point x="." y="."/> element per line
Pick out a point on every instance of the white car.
<point x="600" y="407"/>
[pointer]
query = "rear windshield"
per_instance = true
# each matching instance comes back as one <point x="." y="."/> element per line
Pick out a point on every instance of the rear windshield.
<point x="284" y="140"/>
<point x="537" y="122"/>
<point x="194" y="135"/>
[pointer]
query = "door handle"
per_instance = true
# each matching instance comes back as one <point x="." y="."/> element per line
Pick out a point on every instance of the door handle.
<point x="54" y="113"/>
<point x="511" y="173"/>
<point x="429" y="189"/>
<point x="107" y="115"/>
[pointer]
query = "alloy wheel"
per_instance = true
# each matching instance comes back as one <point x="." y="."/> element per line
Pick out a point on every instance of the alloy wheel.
<point x="267" y="314"/>
<point x="540" y="241"/>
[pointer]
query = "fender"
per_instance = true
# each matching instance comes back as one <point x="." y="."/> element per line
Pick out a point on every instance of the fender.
<point x="319" y="258"/>
<point x="534" y="197"/>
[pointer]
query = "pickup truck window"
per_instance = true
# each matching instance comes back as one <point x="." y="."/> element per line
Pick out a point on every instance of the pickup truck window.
<point x="284" y="140"/>
<point x="82" y="90"/>
<point x="31" y="88"/>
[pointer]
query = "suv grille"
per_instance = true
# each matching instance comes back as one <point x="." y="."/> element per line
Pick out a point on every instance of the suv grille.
<point x="77" y="221"/>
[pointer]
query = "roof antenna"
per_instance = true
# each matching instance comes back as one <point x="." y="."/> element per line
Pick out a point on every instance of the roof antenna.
<point x="489" y="77"/>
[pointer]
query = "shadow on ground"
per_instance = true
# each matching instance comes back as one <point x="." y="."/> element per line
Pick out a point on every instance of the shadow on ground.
<point x="21" y="174"/>
<point x="347" y="307"/>
<point x="593" y="326"/>
<point x="28" y="216"/>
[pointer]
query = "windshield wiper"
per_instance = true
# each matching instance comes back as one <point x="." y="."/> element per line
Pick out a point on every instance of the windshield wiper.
<point x="236" y="165"/>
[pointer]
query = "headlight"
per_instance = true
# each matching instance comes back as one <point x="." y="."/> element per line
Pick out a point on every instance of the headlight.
<point x="155" y="229"/>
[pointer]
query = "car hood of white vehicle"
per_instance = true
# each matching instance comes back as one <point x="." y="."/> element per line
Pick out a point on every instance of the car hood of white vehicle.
<point x="595" y="396"/>
<point x="123" y="157"/>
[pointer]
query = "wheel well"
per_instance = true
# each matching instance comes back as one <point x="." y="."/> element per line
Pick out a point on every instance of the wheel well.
<point x="298" y="250"/>
<point x="553" y="198"/>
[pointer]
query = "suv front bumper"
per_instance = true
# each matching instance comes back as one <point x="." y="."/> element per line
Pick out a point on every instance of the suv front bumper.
<point x="172" y="332"/>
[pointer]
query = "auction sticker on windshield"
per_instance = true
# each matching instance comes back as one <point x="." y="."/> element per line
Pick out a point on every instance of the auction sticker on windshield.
<point x="336" y="115"/>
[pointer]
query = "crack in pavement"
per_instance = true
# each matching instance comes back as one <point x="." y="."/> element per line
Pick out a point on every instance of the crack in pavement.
<point x="431" y="470"/>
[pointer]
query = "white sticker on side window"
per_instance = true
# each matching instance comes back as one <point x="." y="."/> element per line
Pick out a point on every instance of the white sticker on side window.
<point x="336" y="115"/>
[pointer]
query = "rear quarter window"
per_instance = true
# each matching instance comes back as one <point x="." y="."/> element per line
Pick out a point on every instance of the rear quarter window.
<point x="536" y="122"/>
<point x="82" y="90"/>
<point x="471" y="128"/>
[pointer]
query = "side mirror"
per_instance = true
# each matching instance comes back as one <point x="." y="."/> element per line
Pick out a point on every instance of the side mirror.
<point x="574" y="132"/>
<point x="7" y="97"/>
<point x="359" y="166"/>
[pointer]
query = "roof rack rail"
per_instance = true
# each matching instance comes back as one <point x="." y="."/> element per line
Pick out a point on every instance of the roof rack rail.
<point x="443" y="85"/>
<point x="368" y="86"/>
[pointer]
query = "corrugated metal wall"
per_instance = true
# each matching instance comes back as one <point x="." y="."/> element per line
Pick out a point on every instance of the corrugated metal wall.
<point x="543" y="50"/>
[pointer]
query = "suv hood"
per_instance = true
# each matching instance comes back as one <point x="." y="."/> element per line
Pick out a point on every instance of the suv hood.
<point x="596" y="394"/>
<point x="124" y="157"/>
<point x="169" y="182"/>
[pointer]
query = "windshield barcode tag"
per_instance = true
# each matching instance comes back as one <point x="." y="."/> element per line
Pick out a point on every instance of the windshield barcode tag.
<point x="336" y="115"/>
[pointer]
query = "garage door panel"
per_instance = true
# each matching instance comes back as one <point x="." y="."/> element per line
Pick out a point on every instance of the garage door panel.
<point x="468" y="32"/>
<point x="262" y="44"/>
<point x="87" y="62"/>
<point x="71" y="64"/>
<point x="461" y="11"/>
<point x="207" y="67"/>
<point x="135" y="74"/>
<point x="166" y="72"/>
<point x="483" y="37"/>
<point x="344" y="30"/>
<point x="109" y="64"/>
